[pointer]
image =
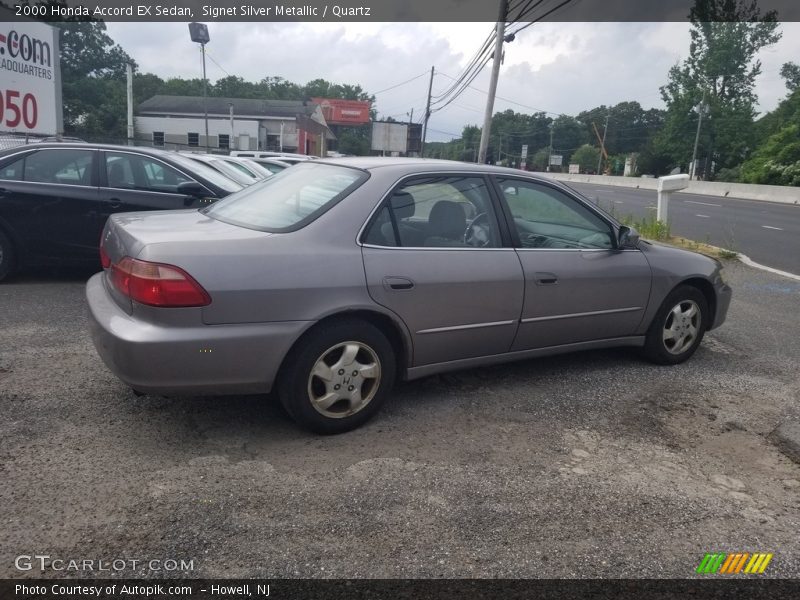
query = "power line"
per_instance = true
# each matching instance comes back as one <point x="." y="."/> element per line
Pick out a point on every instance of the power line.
<point x="399" y="84"/>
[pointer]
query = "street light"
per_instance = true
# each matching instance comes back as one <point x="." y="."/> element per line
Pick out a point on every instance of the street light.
<point x="199" y="34"/>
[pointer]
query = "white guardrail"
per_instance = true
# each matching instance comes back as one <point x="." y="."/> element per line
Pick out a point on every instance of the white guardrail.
<point x="745" y="191"/>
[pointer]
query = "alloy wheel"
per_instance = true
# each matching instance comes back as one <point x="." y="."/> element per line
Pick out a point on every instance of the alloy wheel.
<point x="681" y="326"/>
<point x="344" y="379"/>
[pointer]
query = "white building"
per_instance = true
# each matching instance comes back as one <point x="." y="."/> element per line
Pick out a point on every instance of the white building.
<point x="177" y="122"/>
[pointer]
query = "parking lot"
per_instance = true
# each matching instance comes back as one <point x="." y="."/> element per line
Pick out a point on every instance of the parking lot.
<point x="596" y="464"/>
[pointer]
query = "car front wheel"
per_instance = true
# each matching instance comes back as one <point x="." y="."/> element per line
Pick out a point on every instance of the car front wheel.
<point x="678" y="327"/>
<point x="338" y="376"/>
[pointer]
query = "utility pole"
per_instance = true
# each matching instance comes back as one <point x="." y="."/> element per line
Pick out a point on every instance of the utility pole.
<point x="602" y="146"/>
<point x="427" y="115"/>
<point x="205" y="93"/>
<point x="130" y="103"/>
<point x="498" y="57"/>
<point x="550" y="150"/>
<point x="701" y="109"/>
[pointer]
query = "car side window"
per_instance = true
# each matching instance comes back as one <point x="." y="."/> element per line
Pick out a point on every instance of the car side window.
<point x="13" y="171"/>
<point x="548" y="218"/>
<point x="437" y="212"/>
<point x="66" y="167"/>
<point x="137" y="172"/>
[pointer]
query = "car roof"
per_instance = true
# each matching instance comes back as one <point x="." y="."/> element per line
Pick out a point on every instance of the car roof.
<point x="89" y="146"/>
<point x="422" y="165"/>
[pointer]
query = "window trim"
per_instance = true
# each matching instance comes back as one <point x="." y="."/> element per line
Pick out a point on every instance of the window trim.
<point x="505" y="238"/>
<point x="23" y="154"/>
<point x="103" y="174"/>
<point x="509" y="217"/>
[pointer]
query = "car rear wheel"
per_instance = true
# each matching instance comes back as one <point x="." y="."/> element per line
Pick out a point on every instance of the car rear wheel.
<point x="678" y="327"/>
<point x="338" y="376"/>
<point x="6" y="256"/>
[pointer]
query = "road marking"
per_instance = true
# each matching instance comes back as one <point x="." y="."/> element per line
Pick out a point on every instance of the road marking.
<point x="703" y="203"/>
<point x="618" y="202"/>
<point x="771" y="227"/>
<point x="703" y="216"/>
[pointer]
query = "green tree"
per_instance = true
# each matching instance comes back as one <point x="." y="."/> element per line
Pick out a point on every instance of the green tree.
<point x="93" y="71"/>
<point x="777" y="161"/>
<point x="630" y="127"/>
<point x="586" y="156"/>
<point x="720" y="72"/>
<point x="790" y="71"/>
<point x="569" y="134"/>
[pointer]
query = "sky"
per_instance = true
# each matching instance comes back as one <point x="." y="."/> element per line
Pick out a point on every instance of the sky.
<point x="560" y="68"/>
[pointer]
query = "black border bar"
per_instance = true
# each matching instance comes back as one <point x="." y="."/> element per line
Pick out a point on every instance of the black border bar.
<point x="333" y="11"/>
<point x="398" y="589"/>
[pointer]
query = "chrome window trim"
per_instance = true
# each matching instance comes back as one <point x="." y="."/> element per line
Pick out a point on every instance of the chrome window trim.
<point x="583" y="314"/>
<point x="612" y="250"/>
<point x="458" y="248"/>
<point x="465" y="327"/>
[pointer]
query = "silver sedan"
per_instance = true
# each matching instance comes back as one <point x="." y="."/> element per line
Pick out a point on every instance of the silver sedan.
<point x="333" y="278"/>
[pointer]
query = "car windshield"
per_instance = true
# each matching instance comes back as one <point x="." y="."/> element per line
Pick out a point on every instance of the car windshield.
<point x="206" y="172"/>
<point x="289" y="200"/>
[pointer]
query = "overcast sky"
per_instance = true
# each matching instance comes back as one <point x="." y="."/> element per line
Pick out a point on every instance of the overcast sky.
<point x="554" y="67"/>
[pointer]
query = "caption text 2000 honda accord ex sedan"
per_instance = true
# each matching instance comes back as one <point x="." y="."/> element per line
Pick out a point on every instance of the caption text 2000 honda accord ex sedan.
<point x="333" y="278"/>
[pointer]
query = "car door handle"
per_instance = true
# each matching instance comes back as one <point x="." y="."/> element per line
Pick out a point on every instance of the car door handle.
<point x="546" y="278"/>
<point x="114" y="202"/>
<point x="398" y="283"/>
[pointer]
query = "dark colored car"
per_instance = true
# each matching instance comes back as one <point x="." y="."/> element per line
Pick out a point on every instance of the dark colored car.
<point x="55" y="198"/>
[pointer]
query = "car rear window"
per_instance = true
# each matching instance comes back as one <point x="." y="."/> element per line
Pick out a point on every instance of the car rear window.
<point x="206" y="172"/>
<point x="290" y="199"/>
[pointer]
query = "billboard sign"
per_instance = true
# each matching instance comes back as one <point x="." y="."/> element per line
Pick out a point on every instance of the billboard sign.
<point x="524" y="152"/>
<point x="344" y="112"/>
<point x="556" y="160"/>
<point x="389" y="137"/>
<point x="30" y="78"/>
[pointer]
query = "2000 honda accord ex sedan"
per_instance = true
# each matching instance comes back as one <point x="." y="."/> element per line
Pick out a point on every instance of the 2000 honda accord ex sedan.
<point x="333" y="278"/>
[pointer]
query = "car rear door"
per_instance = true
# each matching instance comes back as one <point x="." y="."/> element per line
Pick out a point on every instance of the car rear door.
<point x="130" y="181"/>
<point x="578" y="285"/>
<point x="49" y="197"/>
<point x="458" y="299"/>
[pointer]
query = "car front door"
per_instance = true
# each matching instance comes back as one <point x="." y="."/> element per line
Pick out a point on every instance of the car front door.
<point x="578" y="285"/>
<point x="130" y="182"/>
<point x="434" y="255"/>
<point x="50" y="199"/>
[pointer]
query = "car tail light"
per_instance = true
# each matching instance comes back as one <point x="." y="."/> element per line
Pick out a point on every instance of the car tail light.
<point x="156" y="284"/>
<point x="104" y="259"/>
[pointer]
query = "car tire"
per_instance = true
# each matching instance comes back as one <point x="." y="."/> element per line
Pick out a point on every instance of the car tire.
<point x="678" y="327"/>
<point x="337" y="376"/>
<point x="7" y="256"/>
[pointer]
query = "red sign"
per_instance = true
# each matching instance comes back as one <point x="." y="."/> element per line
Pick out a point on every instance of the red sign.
<point x="344" y="112"/>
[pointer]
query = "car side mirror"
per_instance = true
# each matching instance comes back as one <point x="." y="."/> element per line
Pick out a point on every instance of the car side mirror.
<point x="627" y="237"/>
<point x="192" y="188"/>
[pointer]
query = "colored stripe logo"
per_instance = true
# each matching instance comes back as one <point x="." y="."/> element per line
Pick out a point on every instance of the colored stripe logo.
<point x="731" y="564"/>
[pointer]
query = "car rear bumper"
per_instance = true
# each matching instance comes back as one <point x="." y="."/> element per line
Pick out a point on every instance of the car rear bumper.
<point x="724" y="294"/>
<point x="179" y="360"/>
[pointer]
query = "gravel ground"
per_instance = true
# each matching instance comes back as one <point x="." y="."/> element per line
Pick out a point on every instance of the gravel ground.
<point x="595" y="464"/>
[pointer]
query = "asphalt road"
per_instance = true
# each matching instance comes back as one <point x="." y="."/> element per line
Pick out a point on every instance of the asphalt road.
<point x="767" y="232"/>
<point x="595" y="464"/>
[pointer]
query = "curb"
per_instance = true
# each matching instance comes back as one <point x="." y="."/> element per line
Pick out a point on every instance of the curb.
<point x="751" y="263"/>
